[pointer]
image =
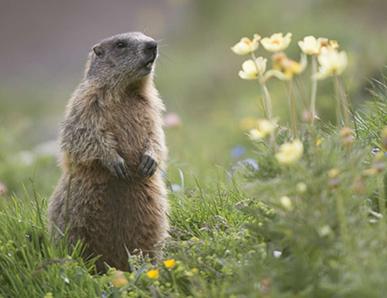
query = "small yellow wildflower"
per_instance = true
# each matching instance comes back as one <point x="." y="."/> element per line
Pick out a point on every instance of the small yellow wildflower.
<point x="277" y="42"/>
<point x="246" y="45"/>
<point x="251" y="70"/>
<point x="170" y="263"/>
<point x="331" y="62"/>
<point x="290" y="152"/>
<point x="119" y="280"/>
<point x="319" y="142"/>
<point x="285" y="68"/>
<point x="153" y="274"/>
<point x="49" y="295"/>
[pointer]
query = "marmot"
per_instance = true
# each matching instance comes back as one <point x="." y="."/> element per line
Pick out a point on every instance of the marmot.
<point x="111" y="194"/>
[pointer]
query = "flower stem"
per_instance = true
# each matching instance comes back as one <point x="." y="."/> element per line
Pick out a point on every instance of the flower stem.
<point x="269" y="112"/>
<point x="265" y="105"/>
<point x="267" y="101"/>
<point x="292" y="110"/>
<point x="314" y="89"/>
<point x="342" y="97"/>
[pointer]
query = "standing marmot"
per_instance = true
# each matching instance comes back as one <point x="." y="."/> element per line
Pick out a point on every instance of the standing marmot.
<point x="111" y="194"/>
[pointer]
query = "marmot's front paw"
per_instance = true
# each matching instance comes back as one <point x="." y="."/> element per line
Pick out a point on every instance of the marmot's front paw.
<point x="119" y="168"/>
<point x="147" y="166"/>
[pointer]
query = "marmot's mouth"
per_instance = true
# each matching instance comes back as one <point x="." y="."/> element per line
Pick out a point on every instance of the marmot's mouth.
<point x="149" y="62"/>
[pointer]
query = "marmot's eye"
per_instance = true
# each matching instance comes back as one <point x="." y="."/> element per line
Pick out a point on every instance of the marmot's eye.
<point x="120" y="44"/>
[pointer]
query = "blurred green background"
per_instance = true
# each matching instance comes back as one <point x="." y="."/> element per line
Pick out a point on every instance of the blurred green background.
<point x="44" y="45"/>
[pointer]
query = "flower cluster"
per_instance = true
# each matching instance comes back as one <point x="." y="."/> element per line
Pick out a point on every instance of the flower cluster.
<point x="327" y="61"/>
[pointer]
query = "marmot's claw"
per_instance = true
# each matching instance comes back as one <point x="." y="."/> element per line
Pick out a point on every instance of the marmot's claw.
<point x="120" y="170"/>
<point x="147" y="166"/>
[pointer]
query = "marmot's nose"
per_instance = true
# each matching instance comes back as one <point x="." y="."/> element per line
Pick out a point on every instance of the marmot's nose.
<point x="150" y="47"/>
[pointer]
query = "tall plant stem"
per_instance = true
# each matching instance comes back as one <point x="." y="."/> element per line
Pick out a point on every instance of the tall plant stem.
<point x="269" y="111"/>
<point x="314" y="89"/>
<point x="267" y="101"/>
<point x="292" y="110"/>
<point x="343" y="101"/>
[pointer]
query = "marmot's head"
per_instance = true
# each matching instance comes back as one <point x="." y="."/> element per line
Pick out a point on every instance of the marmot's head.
<point x="126" y="57"/>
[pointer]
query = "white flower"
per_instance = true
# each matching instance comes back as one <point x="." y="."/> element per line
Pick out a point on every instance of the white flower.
<point x="324" y="231"/>
<point x="331" y="62"/>
<point x="277" y="253"/>
<point x="255" y="134"/>
<point x="290" y="152"/>
<point x="286" y="203"/>
<point x="246" y="45"/>
<point x="310" y="45"/>
<point x="301" y="187"/>
<point x="252" y="70"/>
<point x="277" y="42"/>
<point x="264" y="128"/>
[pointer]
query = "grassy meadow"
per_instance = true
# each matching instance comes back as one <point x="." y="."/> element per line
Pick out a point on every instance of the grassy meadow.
<point x="249" y="216"/>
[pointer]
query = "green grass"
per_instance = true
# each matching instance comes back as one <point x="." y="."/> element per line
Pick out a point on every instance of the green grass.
<point x="226" y="228"/>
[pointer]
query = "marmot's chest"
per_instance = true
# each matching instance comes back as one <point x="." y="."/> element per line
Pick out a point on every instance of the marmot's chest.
<point x="133" y="125"/>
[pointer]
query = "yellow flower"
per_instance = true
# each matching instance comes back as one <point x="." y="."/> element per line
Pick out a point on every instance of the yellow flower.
<point x="310" y="45"/>
<point x="285" y="68"/>
<point x="49" y="295"/>
<point x="290" y="152"/>
<point x="264" y="128"/>
<point x="170" y="263"/>
<point x="251" y="70"/>
<point x="277" y="42"/>
<point x="331" y="62"/>
<point x="153" y="274"/>
<point x="119" y="280"/>
<point x="286" y="203"/>
<point x="246" y="45"/>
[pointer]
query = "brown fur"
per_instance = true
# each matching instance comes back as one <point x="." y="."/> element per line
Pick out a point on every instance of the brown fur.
<point x="107" y="120"/>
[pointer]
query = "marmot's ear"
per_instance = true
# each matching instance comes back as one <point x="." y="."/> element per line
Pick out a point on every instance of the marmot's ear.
<point x="99" y="51"/>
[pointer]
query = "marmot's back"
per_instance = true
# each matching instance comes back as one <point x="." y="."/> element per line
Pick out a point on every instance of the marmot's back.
<point x="111" y="194"/>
